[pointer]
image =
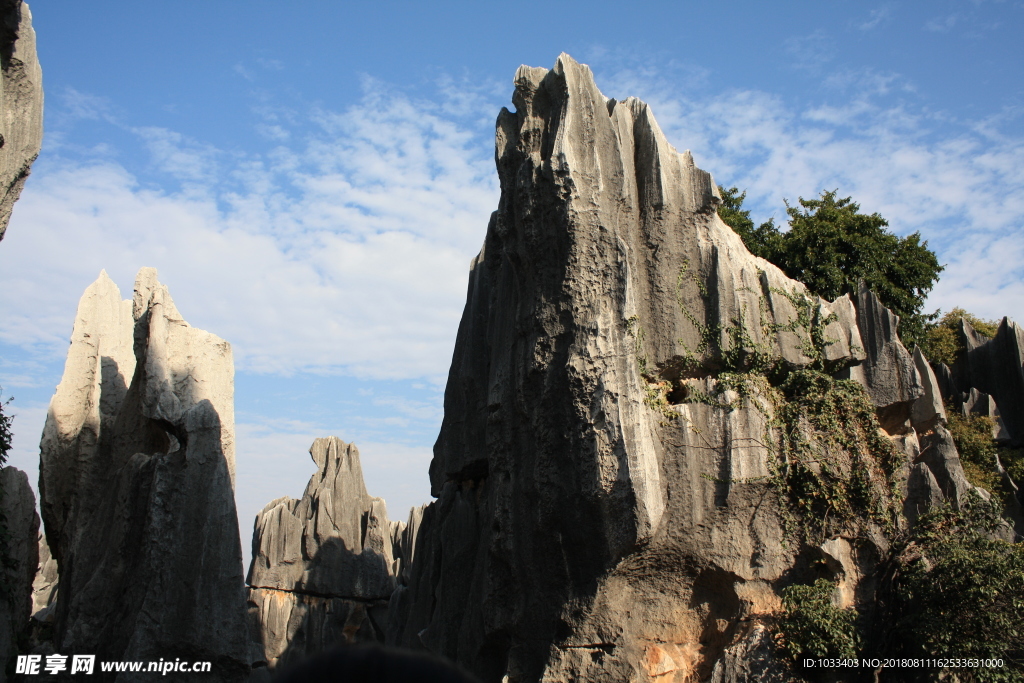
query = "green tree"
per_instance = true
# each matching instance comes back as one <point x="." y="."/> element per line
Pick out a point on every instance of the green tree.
<point x="959" y="590"/>
<point x="830" y="247"/>
<point x="813" y="627"/>
<point x="941" y="341"/>
<point x="765" y="240"/>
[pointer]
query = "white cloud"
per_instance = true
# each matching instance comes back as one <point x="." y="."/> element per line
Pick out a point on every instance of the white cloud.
<point x="180" y="157"/>
<point x="348" y="254"/>
<point x="942" y="24"/>
<point x="875" y="17"/>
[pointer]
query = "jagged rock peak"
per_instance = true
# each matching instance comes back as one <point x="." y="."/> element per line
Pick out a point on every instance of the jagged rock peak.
<point x="21" y="103"/>
<point x="335" y="540"/>
<point x="138" y="450"/>
<point x="578" y="517"/>
<point x="323" y="566"/>
<point x="608" y="505"/>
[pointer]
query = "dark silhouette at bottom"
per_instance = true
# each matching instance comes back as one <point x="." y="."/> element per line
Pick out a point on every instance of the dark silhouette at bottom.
<point x="359" y="663"/>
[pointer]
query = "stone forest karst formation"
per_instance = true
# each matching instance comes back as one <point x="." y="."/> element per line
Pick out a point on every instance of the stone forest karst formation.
<point x="611" y="499"/>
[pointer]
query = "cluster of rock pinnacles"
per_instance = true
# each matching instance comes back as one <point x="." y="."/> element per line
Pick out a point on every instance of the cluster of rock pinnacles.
<point x="577" y="532"/>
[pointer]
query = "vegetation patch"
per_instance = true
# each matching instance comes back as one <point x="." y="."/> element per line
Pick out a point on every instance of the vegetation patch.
<point x="814" y="627"/>
<point x="958" y="591"/>
<point x="941" y="341"/>
<point x="829" y="457"/>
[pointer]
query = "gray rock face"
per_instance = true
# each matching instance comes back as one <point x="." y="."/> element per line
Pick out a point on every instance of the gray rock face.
<point x="44" y="585"/>
<point x="136" y="486"/>
<point x="889" y="373"/>
<point x="21" y="103"/>
<point x="18" y="506"/>
<point x="580" y="532"/>
<point x="996" y="367"/>
<point x="323" y="566"/>
<point x="927" y="410"/>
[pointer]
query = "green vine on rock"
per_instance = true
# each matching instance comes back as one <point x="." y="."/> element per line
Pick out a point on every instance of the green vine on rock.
<point x="828" y="456"/>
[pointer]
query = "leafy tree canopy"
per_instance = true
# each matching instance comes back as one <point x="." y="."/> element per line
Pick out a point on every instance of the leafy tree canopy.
<point x="830" y="247"/>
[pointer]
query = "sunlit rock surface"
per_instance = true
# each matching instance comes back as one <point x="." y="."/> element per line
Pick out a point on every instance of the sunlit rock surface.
<point x="136" y="484"/>
<point x="21" y="103"/>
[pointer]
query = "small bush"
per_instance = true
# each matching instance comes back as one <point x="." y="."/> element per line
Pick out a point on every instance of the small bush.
<point x="813" y="627"/>
<point x="973" y="438"/>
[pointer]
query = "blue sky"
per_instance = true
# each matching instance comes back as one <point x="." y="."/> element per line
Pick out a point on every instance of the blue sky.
<point x="311" y="179"/>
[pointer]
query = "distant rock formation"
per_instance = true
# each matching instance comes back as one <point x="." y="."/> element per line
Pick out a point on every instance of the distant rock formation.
<point x="136" y="486"/>
<point x="595" y="518"/>
<point x="994" y="367"/>
<point x="323" y="567"/>
<point x="21" y="106"/>
<point x="18" y="510"/>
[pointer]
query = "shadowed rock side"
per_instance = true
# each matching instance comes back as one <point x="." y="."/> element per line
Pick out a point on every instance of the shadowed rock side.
<point x="21" y="106"/>
<point x="582" y="530"/>
<point x="136" y="487"/>
<point x="18" y="507"/>
<point x="44" y="597"/>
<point x="994" y="367"/>
<point x="322" y="566"/>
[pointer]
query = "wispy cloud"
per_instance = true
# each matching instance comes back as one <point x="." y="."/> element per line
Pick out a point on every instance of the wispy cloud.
<point x="811" y="52"/>
<point x="942" y="24"/>
<point x="876" y="17"/>
<point x="346" y="252"/>
<point x="80" y="105"/>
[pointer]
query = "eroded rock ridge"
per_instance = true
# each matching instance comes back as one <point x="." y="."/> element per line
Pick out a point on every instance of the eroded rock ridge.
<point x="323" y="566"/>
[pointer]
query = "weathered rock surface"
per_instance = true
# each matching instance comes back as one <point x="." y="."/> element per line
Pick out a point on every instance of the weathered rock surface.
<point x="44" y="585"/>
<point x="753" y="659"/>
<point x="889" y="373"/>
<point x="323" y="567"/>
<point x="580" y="531"/>
<point x="996" y="367"/>
<point x="136" y="486"/>
<point x="927" y="410"/>
<point x="18" y="507"/>
<point x="21" y="103"/>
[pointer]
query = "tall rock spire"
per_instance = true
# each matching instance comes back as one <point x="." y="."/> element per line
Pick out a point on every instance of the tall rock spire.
<point x="136" y="471"/>
<point x="608" y="505"/>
